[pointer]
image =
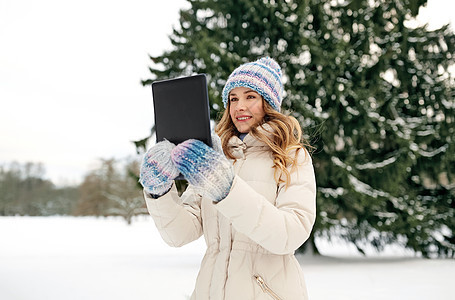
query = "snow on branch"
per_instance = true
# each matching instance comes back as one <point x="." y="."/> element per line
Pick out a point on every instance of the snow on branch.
<point x="352" y="111"/>
<point x="448" y="104"/>
<point x="434" y="152"/>
<point x="426" y="132"/>
<point x="339" y="163"/>
<point x="366" y="189"/>
<point x="376" y="116"/>
<point x="363" y="188"/>
<point x="389" y="215"/>
<point x="377" y="165"/>
<point x="317" y="113"/>
<point x="332" y="192"/>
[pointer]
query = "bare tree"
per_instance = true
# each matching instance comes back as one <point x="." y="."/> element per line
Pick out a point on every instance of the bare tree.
<point x="111" y="190"/>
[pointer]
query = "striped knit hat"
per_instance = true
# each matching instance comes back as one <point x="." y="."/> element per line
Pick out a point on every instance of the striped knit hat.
<point x="262" y="76"/>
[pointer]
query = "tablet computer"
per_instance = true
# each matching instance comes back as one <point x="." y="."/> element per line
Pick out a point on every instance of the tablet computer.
<point x="181" y="108"/>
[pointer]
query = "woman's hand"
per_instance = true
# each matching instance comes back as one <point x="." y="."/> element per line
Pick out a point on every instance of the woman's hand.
<point x="205" y="168"/>
<point x="157" y="169"/>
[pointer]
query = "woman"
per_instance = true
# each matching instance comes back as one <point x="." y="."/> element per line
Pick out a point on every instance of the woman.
<point x="253" y="199"/>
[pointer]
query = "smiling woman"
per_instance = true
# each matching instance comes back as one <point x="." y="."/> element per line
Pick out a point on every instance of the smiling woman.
<point x="253" y="199"/>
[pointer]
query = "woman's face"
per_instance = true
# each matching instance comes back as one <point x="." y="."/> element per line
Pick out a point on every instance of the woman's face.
<point x="245" y="108"/>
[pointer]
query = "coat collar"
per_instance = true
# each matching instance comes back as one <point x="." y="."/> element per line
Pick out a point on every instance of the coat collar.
<point x="238" y="148"/>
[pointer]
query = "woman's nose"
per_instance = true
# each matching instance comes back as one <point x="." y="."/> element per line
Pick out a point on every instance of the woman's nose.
<point x="241" y="105"/>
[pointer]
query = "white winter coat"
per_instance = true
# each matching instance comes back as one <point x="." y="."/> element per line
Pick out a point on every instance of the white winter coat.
<point x="252" y="234"/>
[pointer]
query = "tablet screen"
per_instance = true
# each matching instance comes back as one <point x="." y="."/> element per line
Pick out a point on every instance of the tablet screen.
<point x="181" y="107"/>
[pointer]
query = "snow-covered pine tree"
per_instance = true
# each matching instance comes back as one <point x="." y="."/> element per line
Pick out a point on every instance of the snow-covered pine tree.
<point x="384" y="95"/>
<point x="372" y="91"/>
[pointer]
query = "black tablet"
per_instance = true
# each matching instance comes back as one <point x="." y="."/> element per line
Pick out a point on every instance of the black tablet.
<point x="181" y="107"/>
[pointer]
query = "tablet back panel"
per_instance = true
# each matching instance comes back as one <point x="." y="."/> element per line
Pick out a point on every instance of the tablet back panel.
<point x="181" y="108"/>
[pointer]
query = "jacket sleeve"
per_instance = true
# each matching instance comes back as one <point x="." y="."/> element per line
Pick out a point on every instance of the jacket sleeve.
<point x="281" y="228"/>
<point x="178" y="219"/>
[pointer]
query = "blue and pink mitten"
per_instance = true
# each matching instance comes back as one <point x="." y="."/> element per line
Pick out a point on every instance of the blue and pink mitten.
<point x="205" y="168"/>
<point x="157" y="169"/>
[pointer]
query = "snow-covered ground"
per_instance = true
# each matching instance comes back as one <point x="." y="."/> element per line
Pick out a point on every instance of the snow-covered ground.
<point x="65" y="258"/>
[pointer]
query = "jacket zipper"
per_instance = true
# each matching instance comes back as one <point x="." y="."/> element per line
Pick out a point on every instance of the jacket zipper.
<point x="265" y="288"/>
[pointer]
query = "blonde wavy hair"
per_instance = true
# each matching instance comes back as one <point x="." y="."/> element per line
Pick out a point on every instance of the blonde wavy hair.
<point x="284" y="139"/>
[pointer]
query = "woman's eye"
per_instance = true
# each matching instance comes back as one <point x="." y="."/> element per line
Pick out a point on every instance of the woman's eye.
<point x="233" y="99"/>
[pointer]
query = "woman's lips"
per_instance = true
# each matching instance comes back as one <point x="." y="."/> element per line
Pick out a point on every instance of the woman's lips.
<point x="243" y="118"/>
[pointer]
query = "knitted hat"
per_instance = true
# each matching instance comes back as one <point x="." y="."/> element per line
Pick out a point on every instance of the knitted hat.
<point x="262" y="76"/>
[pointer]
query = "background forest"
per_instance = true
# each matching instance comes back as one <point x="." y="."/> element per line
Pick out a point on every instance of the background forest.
<point x="111" y="189"/>
<point x="372" y="89"/>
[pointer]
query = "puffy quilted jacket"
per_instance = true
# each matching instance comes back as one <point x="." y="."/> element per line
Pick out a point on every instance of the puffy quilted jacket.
<point x="252" y="234"/>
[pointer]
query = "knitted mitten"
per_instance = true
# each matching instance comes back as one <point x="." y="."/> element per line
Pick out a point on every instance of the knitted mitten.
<point x="208" y="170"/>
<point x="157" y="169"/>
<point x="216" y="143"/>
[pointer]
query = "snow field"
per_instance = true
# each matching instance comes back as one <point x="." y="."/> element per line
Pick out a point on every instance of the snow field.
<point x="104" y="258"/>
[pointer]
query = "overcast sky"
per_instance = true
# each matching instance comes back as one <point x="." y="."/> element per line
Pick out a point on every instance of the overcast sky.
<point x="70" y="74"/>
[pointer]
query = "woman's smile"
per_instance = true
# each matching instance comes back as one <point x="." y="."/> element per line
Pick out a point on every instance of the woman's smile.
<point x="243" y="118"/>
